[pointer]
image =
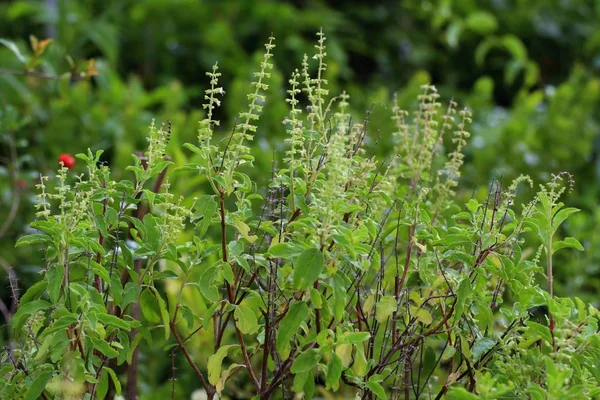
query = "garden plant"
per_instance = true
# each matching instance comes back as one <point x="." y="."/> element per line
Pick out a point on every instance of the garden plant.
<point x="350" y="274"/>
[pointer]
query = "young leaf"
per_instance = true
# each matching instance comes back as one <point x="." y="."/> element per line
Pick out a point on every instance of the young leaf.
<point x="215" y="361"/>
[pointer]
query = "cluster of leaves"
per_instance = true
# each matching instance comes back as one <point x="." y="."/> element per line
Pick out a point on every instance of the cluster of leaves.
<point x="527" y="72"/>
<point x="351" y="273"/>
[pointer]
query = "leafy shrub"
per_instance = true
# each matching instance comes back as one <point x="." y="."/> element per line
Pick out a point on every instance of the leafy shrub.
<point x="351" y="273"/>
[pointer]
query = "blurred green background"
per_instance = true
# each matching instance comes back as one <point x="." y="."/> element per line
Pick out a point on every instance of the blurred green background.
<point x="529" y="70"/>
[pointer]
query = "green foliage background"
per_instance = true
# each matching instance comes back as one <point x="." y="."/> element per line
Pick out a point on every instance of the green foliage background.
<point x="528" y="70"/>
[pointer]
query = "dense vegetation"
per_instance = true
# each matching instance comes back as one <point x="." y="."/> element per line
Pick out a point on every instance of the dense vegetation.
<point x="335" y="252"/>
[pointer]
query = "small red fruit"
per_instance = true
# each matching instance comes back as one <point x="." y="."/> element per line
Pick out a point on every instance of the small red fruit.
<point x="67" y="159"/>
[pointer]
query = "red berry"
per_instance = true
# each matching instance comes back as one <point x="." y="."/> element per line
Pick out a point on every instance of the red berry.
<point x="67" y="160"/>
<point x="21" y="184"/>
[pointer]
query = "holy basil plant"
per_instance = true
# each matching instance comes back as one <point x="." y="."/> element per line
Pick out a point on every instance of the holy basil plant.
<point x="350" y="275"/>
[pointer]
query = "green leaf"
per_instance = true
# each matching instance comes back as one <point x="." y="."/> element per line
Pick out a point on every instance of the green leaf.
<point x="423" y="316"/>
<point x="307" y="268"/>
<point x="131" y="292"/>
<point x="339" y="295"/>
<point x="462" y="295"/>
<point x="334" y="373"/>
<point x="164" y="313"/>
<point x="114" y="321"/>
<point x="100" y="271"/>
<point x="227" y="272"/>
<point x="25" y="311"/>
<point x="14" y="49"/>
<point x="377" y="390"/>
<point x="515" y="46"/>
<point x="562" y="215"/>
<point x="568" y="243"/>
<point x="289" y="326"/>
<point x="149" y="307"/>
<point x="246" y="319"/>
<point x="207" y="286"/>
<point x="55" y="277"/>
<point x="285" y="250"/>
<point x="360" y="365"/>
<point x="206" y="207"/>
<point x="104" y="348"/>
<point x="32" y="239"/>
<point x="61" y="323"/>
<point x="316" y="299"/>
<point x="299" y="381"/>
<point x="458" y="393"/>
<point x="472" y="205"/>
<point x="356" y="337"/>
<point x="215" y="361"/>
<point x="454" y="240"/>
<point x="539" y="331"/>
<point x="385" y="308"/>
<point x="37" y="387"/>
<point x="306" y="361"/>
<point x="33" y="292"/>
<point x="244" y="230"/>
<point x="481" y="22"/>
<point x="481" y="346"/>
<point x="115" y="380"/>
